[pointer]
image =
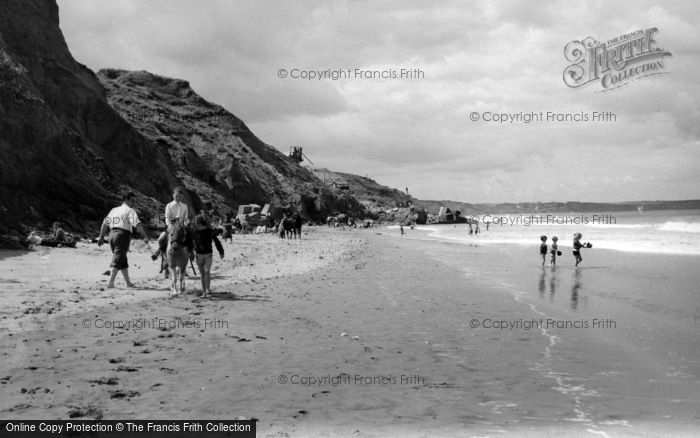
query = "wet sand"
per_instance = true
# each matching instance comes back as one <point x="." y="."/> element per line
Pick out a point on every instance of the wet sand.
<point x="358" y="333"/>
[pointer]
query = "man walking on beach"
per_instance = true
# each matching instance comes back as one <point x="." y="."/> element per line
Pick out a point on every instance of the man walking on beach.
<point x="120" y="223"/>
<point x="175" y="210"/>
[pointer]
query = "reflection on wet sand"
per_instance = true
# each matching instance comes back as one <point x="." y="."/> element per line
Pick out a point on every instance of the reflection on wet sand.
<point x="575" y="287"/>
<point x="540" y="287"/>
<point x="553" y="284"/>
<point x="542" y="283"/>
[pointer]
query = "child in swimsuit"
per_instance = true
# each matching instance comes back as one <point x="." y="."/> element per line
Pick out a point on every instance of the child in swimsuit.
<point x="577" y="248"/>
<point x="554" y="250"/>
<point x="543" y="248"/>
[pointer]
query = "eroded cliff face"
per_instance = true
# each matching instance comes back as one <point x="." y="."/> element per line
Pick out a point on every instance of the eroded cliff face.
<point x="65" y="153"/>
<point x="57" y="161"/>
<point x="215" y="153"/>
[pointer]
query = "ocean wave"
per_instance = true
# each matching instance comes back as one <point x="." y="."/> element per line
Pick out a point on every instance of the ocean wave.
<point x="648" y="243"/>
<point x="680" y="227"/>
<point x="621" y="226"/>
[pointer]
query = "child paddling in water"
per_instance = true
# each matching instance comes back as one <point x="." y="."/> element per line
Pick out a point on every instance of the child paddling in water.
<point x="554" y="251"/>
<point x="543" y="248"/>
<point x="577" y="248"/>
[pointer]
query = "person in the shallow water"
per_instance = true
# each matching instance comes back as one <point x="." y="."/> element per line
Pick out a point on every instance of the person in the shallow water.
<point x="543" y="248"/>
<point x="577" y="248"/>
<point x="554" y="251"/>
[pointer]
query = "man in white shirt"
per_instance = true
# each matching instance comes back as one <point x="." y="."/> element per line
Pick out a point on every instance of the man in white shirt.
<point x="175" y="210"/>
<point x="120" y="223"/>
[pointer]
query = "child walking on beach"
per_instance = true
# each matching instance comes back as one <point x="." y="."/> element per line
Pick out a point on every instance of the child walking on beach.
<point x="543" y="248"/>
<point x="577" y="248"/>
<point x="203" y="237"/>
<point x="554" y="251"/>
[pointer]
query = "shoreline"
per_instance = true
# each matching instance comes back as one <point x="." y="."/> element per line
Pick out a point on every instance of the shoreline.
<point x="376" y="306"/>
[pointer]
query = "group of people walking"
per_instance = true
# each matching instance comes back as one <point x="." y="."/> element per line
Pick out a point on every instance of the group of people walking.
<point x="121" y="222"/>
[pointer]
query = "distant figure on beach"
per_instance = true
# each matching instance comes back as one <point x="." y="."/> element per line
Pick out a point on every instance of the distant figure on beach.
<point x="120" y="223"/>
<point x="203" y="238"/>
<point x="554" y="251"/>
<point x="471" y="230"/>
<point x="487" y="225"/>
<point x="543" y="248"/>
<point x="173" y="211"/>
<point x="59" y="238"/>
<point x="298" y="222"/>
<point x="401" y="228"/>
<point x="577" y="248"/>
<point x="59" y="235"/>
<point x="228" y="231"/>
<point x="476" y="229"/>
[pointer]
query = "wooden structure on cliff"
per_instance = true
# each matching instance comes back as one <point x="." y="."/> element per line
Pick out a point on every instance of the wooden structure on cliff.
<point x="296" y="153"/>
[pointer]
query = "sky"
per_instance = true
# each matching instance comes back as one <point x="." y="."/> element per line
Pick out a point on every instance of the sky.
<point x="470" y="60"/>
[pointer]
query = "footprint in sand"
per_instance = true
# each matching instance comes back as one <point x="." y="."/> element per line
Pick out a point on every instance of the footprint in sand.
<point x="119" y="393"/>
<point x="105" y="381"/>
<point x="300" y="414"/>
<point x="87" y="412"/>
<point x="20" y="407"/>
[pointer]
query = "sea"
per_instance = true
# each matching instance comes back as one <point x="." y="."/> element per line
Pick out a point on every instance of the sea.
<point x="622" y="349"/>
<point x="658" y="231"/>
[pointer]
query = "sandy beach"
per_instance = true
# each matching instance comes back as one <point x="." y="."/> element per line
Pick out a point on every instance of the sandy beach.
<point x="359" y="333"/>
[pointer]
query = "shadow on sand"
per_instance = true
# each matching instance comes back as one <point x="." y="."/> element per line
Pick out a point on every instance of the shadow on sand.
<point x="224" y="296"/>
<point x="7" y="253"/>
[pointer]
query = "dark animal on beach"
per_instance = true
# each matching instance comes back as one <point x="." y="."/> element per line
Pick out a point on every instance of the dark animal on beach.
<point x="286" y="228"/>
<point x="330" y="221"/>
<point x="178" y="255"/>
<point x="297" y="226"/>
<point x="228" y="232"/>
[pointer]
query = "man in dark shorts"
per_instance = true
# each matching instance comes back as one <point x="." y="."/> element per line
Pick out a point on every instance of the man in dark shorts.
<point x="120" y="223"/>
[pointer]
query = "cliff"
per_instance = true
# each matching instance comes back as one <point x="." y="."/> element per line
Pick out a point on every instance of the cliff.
<point x="372" y="195"/>
<point x="215" y="155"/>
<point x="66" y="153"/>
<point x="58" y="161"/>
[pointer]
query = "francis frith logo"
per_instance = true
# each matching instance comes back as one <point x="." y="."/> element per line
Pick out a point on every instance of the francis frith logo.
<point x="616" y="62"/>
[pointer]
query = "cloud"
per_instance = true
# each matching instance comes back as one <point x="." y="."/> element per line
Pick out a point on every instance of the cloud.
<point x="501" y="57"/>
